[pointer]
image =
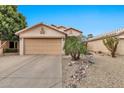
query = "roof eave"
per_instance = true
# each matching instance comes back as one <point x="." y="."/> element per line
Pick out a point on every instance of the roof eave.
<point x="73" y="29"/>
<point x="17" y="33"/>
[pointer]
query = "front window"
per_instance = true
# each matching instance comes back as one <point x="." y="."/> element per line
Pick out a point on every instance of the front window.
<point x="12" y="44"/>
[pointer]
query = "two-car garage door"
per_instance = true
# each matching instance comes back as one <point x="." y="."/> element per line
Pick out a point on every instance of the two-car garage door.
<point x="42" y="46"/>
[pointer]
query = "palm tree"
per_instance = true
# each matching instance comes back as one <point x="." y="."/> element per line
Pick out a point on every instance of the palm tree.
<point x="74" y="47"/>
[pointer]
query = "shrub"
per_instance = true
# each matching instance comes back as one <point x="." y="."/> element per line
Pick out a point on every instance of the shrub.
<point x="10" y="50"/>
<point x="74" y="47"/>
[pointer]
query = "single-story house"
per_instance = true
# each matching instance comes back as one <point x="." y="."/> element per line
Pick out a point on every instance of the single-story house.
<point x="44" y="39"/>
<point x="96" y="43"/>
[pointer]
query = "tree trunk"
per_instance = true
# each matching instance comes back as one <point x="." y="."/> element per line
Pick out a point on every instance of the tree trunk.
<point x="78" y="55"/>
<point x="113" y="54"/>
<point x="75" y="56"/>
<point x="72" y="56"/>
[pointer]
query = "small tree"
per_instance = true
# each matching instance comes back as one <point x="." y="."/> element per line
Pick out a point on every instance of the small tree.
<point x="74" y="47"/>
<point x="89" y="36"/>
<point x="111" y="44"/>
<point x="11" y="21"/>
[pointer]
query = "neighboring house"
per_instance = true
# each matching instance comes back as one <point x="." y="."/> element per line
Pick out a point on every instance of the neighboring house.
<point x="43" y="39"/>
<point x="96" y="43"/>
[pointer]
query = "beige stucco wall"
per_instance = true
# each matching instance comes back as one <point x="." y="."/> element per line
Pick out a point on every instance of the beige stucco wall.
<point x="1" y="49"/>
<point x="35" y="32"/>
<point x="121" y="35"/>
<point x="72" y="32"/>
<point x="120" y="49"/>
<point x="63" y="42"/>
<point x="21" y="46"/>
<point x="97" y="45"/>
<point x="6" y="45"/>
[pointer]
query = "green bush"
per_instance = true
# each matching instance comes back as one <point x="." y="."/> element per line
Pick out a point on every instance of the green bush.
<point x="10" y="50"/>
<point x="74" y="47"/>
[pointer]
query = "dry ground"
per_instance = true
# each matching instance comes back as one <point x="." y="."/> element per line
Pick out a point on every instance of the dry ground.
<point x="107" y="72"/>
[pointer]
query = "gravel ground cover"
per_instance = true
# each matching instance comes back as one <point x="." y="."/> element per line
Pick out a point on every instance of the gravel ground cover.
<point x="107" y="72"/>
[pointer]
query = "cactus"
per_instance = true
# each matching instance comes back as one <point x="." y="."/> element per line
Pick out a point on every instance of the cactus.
<point x="111" y="44"/>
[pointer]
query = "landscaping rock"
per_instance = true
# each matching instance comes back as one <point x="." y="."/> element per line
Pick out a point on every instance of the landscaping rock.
<point x="71" y="86"/>
<point x="85" y="60"/>
<point x="89" y="59"/>
<point x="69" y="64"/>
<point x="77" y="72"/>
<point x="73" y="62"/>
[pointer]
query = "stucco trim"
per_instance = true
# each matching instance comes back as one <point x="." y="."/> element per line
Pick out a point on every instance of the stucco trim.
<point x="43" y="37"/>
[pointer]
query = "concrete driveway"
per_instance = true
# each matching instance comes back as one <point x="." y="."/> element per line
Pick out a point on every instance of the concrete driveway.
<point x="32" y="71"/>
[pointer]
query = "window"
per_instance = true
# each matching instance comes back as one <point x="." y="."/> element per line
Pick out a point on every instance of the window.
<point x="11" y="44"/>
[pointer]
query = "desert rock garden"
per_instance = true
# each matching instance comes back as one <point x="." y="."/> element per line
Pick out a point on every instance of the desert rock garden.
<point x="75" y="62"/>
<point x="75" y="71"/>
<point x="85" y="69"/>
<point x="106" y="72"/>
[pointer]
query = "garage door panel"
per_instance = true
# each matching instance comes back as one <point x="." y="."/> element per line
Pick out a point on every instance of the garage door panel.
<point x="42" y="46"/>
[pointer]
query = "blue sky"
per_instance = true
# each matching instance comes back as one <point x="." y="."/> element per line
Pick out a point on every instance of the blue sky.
<point x="88" y="19"/>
